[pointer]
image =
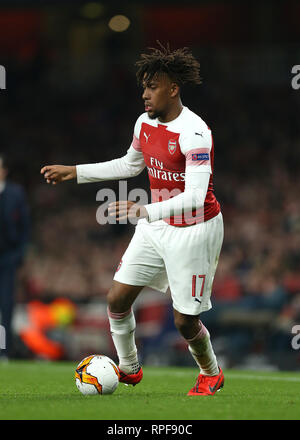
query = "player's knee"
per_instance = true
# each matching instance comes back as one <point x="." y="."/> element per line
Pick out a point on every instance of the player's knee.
<point x="115" y="300"/>
<point x="120" y="298"/>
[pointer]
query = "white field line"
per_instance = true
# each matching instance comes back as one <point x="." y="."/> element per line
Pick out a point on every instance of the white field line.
<point x="232" y="375"/>
<point x="228" y="375"/>
<point x="251" y="377"/>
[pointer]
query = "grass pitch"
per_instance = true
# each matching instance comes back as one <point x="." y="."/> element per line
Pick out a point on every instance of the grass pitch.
<point x="33" y="390"/>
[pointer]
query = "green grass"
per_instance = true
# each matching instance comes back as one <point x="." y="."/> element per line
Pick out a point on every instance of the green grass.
<point x="42" y="390"/>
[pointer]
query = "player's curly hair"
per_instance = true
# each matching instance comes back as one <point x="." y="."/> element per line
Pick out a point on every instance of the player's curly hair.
<point x="180" y="65"/>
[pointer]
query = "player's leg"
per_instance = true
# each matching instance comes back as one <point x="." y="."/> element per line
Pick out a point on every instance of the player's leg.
<point x="211" y="378"/>
<point x="199" y="344"/>
<point x="121" y="296"/>
<point x="191" y="268"/>
<point x="122" y="324"/>
<point x="141" y="265"/>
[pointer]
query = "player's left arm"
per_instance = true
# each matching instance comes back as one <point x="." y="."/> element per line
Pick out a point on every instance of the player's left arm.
<point x="196" y="146"/>
<point x="192" y="198"/>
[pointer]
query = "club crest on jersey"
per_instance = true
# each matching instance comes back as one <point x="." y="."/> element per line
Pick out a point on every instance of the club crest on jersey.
<point x="172" y="145"/>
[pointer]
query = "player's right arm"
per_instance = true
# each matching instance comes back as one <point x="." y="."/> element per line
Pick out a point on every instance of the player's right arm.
<point x="58" y="173"/>
<point x="127" y="166"/>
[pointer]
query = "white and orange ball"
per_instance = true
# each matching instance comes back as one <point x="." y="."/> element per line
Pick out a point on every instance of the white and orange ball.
<point x="97" y="374"/>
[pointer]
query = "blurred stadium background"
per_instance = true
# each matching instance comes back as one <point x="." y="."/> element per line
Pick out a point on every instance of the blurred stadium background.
<point x="71" y="97"/>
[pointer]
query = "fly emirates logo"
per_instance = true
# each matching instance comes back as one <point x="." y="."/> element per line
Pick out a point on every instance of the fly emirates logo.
<point x="157" y="171"/>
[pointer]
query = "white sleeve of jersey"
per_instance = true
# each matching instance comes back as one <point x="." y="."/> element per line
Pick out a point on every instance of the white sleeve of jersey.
<point x="196" y="145"/>
<point x="193" y="197"/>
<point x="124" y="167"/>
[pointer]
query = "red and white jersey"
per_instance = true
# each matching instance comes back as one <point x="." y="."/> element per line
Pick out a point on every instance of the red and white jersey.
<point x="169" y="149"/>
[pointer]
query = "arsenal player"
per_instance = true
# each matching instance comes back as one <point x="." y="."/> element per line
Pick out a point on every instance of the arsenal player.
<point x="178" y="237"/>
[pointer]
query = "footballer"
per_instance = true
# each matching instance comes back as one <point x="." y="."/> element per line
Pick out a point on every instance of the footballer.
<point x="179" y="235"/>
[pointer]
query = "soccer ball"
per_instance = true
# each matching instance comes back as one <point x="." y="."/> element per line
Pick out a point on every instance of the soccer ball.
<point x="97" y="374"/>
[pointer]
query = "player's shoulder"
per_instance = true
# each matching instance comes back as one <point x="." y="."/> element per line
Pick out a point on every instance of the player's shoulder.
<point x="195" y="132"/>
<point x="192" y="122"/>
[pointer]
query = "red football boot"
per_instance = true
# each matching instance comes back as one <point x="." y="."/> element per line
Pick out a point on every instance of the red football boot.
<point x="131" y="379"/>
<point x="207" y="385"/>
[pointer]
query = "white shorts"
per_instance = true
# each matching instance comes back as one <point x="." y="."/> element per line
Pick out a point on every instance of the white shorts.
<point x="182" y="258"/>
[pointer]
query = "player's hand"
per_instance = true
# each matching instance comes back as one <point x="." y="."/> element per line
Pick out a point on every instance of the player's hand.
<point x="127" y="210"/>
<point x="58" y="173"/>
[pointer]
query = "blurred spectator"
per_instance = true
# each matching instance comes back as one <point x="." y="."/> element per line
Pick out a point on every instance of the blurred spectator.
<point x="14" y="237"/>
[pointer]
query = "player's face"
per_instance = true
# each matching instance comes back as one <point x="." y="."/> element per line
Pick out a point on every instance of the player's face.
<point x="159" y="96"/>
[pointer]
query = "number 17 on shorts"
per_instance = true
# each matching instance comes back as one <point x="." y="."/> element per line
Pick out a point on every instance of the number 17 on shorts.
<point x="198" y="282"/>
